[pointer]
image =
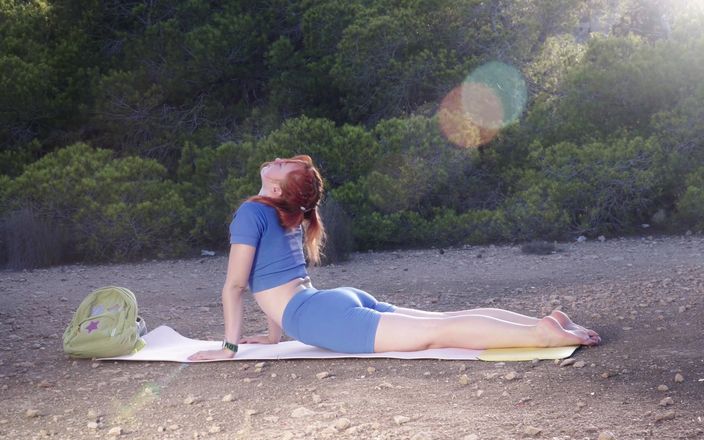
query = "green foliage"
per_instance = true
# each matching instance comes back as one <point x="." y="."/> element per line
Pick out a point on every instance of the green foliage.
<point x="597" y="187"/>
<point x="113" y="208"/>
<point x="690" y="207"/>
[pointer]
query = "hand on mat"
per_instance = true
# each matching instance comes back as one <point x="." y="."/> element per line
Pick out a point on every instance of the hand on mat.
<point x="211" y="355"/>
<point x="257" y="339"/>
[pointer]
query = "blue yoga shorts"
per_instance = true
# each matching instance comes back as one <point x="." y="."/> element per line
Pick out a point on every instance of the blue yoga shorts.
<point x="343" y="319"/>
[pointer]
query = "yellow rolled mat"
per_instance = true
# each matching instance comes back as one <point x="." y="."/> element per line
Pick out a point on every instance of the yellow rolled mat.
<point x="526" y="354"/>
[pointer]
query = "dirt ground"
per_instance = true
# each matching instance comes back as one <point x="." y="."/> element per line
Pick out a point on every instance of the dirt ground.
<point x="644" y="295"/>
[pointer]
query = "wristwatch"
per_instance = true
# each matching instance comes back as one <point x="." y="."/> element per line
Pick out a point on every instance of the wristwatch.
<point x="230" y="346"/>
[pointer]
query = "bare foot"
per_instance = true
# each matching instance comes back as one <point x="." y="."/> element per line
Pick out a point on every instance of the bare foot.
<point x="568" y="324"/>
<point x="552" y="334"/>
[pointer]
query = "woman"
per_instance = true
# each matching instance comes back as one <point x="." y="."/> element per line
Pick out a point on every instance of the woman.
<point x="267" y="255"/>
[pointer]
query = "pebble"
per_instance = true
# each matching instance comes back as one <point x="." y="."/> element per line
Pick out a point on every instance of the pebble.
<point x="160" y="429"/>
<point x="532" y="431"/>
<point x="663" y="387"/>
<point x="606" y="435"/>
<point x="400" y="420"/>
<point x="667" y="415"/>
<point x="92" y="425"/>
<point x="116" y="431"/>
<point x="189" y="400"/>
<point x="470" y="437"/>
<point x="679" y="378"/>
<point x="214" y="429"/>
<point x="579" y="364"/>
<point x="316" y="398"/>
<point x="464" y="380"/>
<point x="422" y="436"/>
<point x="371" y="370"/>
<point x="342" y="424"/>
<point x="250" y="412"/>
<point x="666" y="401"/>
<point x="173" y="427"/>
<point x="480" y="393"/>
<point x="568" y="362"/>
<point x="301" y="412"/>
<point x="32" y="413"/>
<point x="323" y="375"/>
<point x="511" y="375"/>
<point x="228" y="398"/>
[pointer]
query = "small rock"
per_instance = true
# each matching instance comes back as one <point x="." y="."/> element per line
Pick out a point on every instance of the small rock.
<point x="601" y="238"/>
<point x="532" y="431"/>
<point x="679" y="378"/>
<point x="95" y="365"/>
<point x="44" y="384"/>
<point x="579" y="364"/>
<point x="214" y="429"/>
<point x="663" y="387"/>
<point x="470" y="437"/>
<point x="371" y="370"/>
<point x="511" y="375"/>
<point x="400" y="420"/>
<point x="160" y="429"/>
<point x="301" y="412"/>
<point x="342" y="424"/>
<point x="228" y="398"/>
<point x="568" y="362"/>
<point x="322" y="375"/>
<point x="31" y="413"/>
<point x="173" y="427"/>
<point x="190" y="400"/>
<point x="115" y="432"/>
<point x="316" y="398"/>
<point x="464" y="379"/>
<point x="92" y="425"/>
<point x="667" y="415"/>
<point x="260" y="365"/>
<point x="480" y="393"/>
<point x="606" y="435"/>
<point x="666" y="401"/>
<point x="422" y="436"/>
<point x="250" y="412"/>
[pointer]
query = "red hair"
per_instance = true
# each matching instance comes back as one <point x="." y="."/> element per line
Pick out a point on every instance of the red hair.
<point x="301" y="193"/>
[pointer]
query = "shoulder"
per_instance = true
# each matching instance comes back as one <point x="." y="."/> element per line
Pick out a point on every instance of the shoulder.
<point x="253" y="208"/>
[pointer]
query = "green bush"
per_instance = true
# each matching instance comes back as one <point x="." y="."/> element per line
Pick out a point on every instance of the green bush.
<point x="690" y="207"/>
<point x="110" y="208"/>
<point x="601" y="187"/>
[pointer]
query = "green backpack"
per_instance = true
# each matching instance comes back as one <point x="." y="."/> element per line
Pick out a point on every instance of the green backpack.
<point x="105" y="325"/>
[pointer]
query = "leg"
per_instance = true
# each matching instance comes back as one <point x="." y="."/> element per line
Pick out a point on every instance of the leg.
<point x="398" y="332"/>
<point x="504" y="315"/>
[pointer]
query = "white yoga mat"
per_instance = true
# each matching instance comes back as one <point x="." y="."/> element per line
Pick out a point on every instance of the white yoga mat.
<point x="166" y="345"/>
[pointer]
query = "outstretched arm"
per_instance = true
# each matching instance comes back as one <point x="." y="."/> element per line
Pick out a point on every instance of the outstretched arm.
<point x="238" y="267"/>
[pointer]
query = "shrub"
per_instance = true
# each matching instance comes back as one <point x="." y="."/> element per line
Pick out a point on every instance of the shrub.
<point x="109" y="208"/>
<point x="690" y="207"/>
<point x="600" y="187"/>
<point x="338" y="227"/>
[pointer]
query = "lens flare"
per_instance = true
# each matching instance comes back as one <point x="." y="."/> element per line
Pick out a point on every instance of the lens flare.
<point x="491" y="97"/>
<point x="146" y="395"/>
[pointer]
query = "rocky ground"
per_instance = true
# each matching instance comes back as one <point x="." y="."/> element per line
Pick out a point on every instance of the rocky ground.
<point x="645" y="296"/>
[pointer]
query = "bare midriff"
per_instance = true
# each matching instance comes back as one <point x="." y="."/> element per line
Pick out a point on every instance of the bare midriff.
<point x="273" y="301"/>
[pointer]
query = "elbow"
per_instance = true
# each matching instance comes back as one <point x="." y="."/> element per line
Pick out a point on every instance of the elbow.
<point x="234" y="289"/>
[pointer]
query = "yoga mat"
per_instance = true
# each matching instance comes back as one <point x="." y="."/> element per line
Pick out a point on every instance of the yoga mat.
<point x="166" y="345"/>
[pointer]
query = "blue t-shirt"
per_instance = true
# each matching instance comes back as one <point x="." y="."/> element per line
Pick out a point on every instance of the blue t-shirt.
<point x="279" y="256"/>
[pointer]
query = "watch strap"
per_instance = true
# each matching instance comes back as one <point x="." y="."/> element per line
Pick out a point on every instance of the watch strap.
<point x="230" y="346"/>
